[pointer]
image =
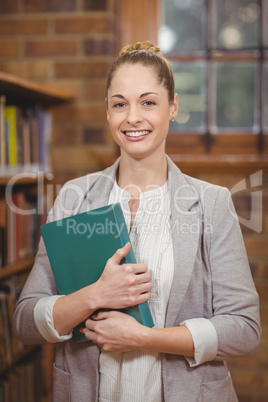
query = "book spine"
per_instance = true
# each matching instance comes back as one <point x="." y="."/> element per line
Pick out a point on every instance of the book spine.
<point x="2" y="132"/>
<point x="11" y="116"/>
<point x="144" y="315"/>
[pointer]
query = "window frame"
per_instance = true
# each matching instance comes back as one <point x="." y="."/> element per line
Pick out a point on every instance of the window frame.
<point x="190" y="144"/>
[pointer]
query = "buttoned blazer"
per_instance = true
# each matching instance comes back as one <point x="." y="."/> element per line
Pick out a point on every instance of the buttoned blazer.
<point x="211" y="280"/>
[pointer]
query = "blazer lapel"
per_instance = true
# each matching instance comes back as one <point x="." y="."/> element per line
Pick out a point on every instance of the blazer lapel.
<point x="185" y="227"/>
<point x="98" y="195"/>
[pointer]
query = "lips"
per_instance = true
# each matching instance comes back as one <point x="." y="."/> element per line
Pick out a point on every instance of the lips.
<point x="134" y="134"/>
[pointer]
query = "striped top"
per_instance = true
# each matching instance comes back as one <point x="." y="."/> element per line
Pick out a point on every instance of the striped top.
<point x="136" y="375"/>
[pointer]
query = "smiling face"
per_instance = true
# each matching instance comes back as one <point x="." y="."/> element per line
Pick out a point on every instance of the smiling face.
<point x="138" y="111"/>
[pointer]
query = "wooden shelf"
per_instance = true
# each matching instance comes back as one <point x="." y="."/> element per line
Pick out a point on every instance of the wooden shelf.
<point x="20" y="178"/>
<point x="20" y="91"/>
<point x="21" y="181"/>
<point x="21" y="266"/>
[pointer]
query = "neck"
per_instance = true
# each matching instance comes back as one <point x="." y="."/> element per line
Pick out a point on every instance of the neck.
<point x="142" y="175"/>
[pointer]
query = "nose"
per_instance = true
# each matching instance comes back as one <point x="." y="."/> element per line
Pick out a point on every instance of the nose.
<point x="134" y="116"/>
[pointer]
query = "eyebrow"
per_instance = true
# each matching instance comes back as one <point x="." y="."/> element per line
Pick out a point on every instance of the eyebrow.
<point x="141" y="96"/>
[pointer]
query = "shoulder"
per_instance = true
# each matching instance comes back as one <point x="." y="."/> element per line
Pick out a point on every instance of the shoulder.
<point x="78" y="195"/>
<point x="188" y="184"/>
<point x="202" y="188"/>
<point x="94" y="181"/>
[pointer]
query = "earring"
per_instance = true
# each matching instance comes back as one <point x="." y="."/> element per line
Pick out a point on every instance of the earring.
<point x="173" y="120"/>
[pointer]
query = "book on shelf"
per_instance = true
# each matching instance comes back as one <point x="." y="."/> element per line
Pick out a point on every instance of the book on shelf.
<point x="10" y="346"/>
<point x="25" y="382"/>
<point x="78" y="248"/>
<point x="25" y="135"/>
<point x="19" y="228"/>
<point x="2" y="131"/>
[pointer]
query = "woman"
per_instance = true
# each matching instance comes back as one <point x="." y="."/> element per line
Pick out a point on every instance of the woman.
<point x="192" y="266"/>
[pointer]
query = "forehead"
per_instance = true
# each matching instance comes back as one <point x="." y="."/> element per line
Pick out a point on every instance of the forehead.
<point x="135" y="76"/>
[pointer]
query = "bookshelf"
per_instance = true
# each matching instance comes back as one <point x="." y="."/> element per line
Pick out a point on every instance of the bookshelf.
<point x="20" y="179"/>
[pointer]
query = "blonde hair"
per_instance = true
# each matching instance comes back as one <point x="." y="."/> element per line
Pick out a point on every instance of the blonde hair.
<point x="147" y="54"/>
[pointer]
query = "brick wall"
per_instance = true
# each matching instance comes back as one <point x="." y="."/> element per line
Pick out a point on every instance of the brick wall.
<point x="67" y="44"/>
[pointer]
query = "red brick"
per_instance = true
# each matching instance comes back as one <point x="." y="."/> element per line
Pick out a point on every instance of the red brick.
<point x="86" y="69"/>
<point x="49" y="5"/>
<point x="256" y="246"/>
<point x="250" y="380"/>
<point x="241" y="362"/>
<point x="245" y="398"/>
<point x="95" y="90"/>
<point x="98" y="47"/>
<point x="83" y="25"/>
<point x="23" y="27"/>
<point x="9" y="48"/>
<point x="51" y="48"/>
<point x="67" y="86"/>
<point x="66" y="135"/>
<point x="262" y="357"/>
<point x="71" y="158"/>
<point x="264" y="335"/>
<point x="263" y="271"/>
<point x="261" y="398"/>
<point x="9" y="6"/>
<point x="262" y="289"/>
<point x="95" y="5"/>
<point x="94" y="135"/>
<point x="40" y="69"/>
<point x="80" y="113"/>
<point x="264" y="313"/>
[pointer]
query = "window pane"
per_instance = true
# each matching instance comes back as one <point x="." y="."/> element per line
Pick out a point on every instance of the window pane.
<point x="237" y="91"/>
<point x="184" y="26"/>
<point x="190" y="84"/>
<point x="265" y="106"/>
<point x="265" y="21"/>
<point x="237" y="23"/>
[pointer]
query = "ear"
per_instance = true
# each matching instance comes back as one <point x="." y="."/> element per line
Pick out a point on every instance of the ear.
<point x="174" y="107"/>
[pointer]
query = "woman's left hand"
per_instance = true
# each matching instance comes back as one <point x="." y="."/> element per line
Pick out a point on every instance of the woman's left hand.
<point x="114" y="331"/>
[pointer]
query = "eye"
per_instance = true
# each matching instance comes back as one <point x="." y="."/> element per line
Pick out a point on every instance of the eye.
<point x="148" y="103"/>
<point x="118" y="105"/>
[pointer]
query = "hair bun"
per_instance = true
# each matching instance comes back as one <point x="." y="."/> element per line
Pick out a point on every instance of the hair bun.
<point x="147" y="45"/>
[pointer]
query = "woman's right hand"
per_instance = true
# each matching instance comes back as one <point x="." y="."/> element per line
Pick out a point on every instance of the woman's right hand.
<point x="123" y="285"/>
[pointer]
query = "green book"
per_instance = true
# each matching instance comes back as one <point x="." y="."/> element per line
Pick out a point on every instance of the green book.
<point x="78" y="248"/>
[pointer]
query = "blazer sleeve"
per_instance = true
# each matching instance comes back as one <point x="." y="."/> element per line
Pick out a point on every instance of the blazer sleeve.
<point x="235" y="300"/>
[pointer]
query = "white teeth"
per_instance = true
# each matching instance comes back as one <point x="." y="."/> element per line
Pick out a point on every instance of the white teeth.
<point x="136" y="133"/>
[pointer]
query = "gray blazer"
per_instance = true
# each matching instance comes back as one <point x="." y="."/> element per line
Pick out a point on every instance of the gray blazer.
<point x="212" y="279"/>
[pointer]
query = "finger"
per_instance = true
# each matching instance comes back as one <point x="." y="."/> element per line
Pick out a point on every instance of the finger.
<point x="101" y="315"/>
<point x="89" y="334"/>
<point x="120" y="254"/>
<point x="143" y="278"/>
<point x="143" y="297"/>
<point x="139" y="268"/>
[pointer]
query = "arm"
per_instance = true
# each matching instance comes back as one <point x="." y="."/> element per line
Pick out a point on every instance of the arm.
<point x="104" y="330"/>
<point x="235" y="300"/>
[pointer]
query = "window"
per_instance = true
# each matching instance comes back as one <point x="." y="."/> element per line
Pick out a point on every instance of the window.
<point x="218" y="52"/>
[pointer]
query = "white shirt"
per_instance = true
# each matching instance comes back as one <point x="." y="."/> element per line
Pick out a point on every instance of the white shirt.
<point x="151" y="241"/>
<point x="126" y="376"/>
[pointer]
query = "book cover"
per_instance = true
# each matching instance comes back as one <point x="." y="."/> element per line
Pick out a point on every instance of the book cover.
<point x="78" y="248"/>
